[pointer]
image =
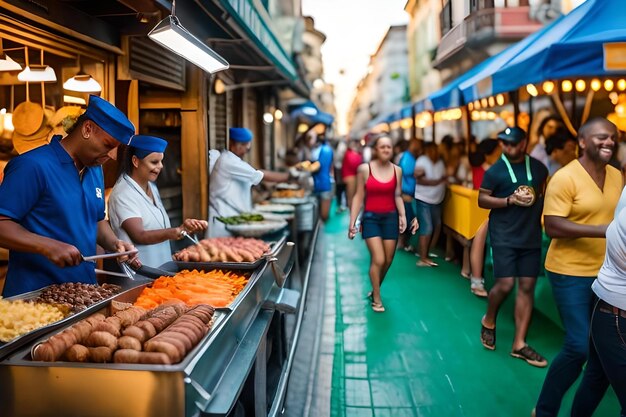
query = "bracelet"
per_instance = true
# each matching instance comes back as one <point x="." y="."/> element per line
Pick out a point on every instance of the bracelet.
<point x="181" y="233"/>
<point x="507" y="201"/>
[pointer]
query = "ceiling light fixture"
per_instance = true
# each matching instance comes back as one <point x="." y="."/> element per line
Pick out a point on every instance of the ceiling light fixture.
<point x="7" y="64"/>
<point x="170" y="34"/>
<point x="82" y="82"/>
<point x="37" y="73"/>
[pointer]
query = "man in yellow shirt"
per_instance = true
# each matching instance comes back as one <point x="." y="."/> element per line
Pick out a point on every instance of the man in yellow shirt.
<point x="580" y="203"/>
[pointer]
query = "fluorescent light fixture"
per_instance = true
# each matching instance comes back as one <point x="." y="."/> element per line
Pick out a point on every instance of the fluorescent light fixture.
<point x="74" y="100"/>
<point x="82" y="83"/>
<point x="37" y="74"/>
<point x="9" y="65"/>
<point x="170" y="34"/>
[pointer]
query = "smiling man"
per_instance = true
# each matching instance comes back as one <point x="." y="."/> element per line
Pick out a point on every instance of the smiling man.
<point x="580" y="202"/>
<point x="52" y="203"/>
<point x="513" y="189"/>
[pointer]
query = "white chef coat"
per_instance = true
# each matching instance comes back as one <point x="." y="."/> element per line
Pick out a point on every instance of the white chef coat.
<point x="128" y="200"/>
<point x="230" y="195"/>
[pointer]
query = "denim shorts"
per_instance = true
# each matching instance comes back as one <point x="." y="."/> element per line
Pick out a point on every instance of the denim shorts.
<point x="384" y="225"/>
<point x="409" y="212"/>
<point x="429" y="217"/>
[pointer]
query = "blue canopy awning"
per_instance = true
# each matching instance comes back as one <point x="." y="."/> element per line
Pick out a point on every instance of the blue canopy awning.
<point x="450" y="95"/>
<point x="311" y="114"/>
<point x="571" y="46"/>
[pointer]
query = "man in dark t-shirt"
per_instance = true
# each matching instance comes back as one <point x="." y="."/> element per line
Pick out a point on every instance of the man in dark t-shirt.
<point x="513" y="188"/>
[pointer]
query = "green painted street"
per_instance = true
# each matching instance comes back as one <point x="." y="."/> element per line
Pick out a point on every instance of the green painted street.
<point x="423" y="356"/>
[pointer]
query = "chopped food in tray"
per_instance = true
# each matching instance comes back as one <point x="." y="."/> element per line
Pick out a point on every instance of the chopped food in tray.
<point x="77" y="296"/>
<point x="18" y="317"/>
<point x="242" y="218"/>
<point x="224" y="249"/>
<point x="52" y="304"/>
<point x="288" y="193"/>
<point x="217" y="288"/>
<point x="163" y="335"/>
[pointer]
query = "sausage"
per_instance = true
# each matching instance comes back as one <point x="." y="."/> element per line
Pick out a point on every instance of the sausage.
<point x="164" y="347"/>
<point x="128" y="342"/>
<point x="78" y="353"/>
<point x="136" y="332"/>
<point x="101" y="354"/>
<point x="133" y="356"/>
<point x="175" y="341"/>
<point x="179" y="336"/>
<point x="147" y="327"/>
<point x="107" y="326"/>
<point x="97" y="339"/>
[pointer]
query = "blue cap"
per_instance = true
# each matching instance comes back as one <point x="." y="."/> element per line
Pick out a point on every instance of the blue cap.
<point x="512" y="135"/>
<point x="240" y="134"/>
<point x="110" y="119"/>
<point x="144" y="145"/>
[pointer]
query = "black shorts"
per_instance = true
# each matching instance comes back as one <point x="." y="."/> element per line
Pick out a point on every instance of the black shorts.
<point x="515" y="262"/>
<point x="384" y="225"/>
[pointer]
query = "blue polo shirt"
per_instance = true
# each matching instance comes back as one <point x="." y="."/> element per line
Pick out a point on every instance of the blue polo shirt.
<point x="321" y="179"/>
<point x="407" y="163"/>
<point x="43" y="192"/>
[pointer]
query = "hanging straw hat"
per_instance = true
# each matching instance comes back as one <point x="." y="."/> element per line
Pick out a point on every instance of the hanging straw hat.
<point x="27" y="118"/>
<point x="24" y="143"/>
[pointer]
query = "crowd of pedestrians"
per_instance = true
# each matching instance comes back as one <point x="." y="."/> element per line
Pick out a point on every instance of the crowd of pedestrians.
<point x="549" y="181"/>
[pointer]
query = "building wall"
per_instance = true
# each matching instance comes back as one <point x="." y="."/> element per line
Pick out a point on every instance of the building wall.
<point x="385" y="88"/>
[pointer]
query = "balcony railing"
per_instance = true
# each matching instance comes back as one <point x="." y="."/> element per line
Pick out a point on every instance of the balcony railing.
<point x="486" y="24"/>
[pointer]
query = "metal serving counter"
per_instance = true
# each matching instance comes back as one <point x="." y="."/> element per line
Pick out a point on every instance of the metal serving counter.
<point x="208" y="381"/>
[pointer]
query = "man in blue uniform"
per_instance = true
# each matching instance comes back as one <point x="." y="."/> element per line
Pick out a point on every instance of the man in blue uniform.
<point x="52" y="203"/>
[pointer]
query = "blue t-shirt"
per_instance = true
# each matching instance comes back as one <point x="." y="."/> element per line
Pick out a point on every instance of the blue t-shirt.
<point x="321" y="179"/>
<point x="407" y="163"/>
<point x="43" y="192"/>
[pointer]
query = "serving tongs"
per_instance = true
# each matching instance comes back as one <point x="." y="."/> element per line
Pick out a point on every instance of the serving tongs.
<point x="188" y="236"/>
<point x="94" y="258"/>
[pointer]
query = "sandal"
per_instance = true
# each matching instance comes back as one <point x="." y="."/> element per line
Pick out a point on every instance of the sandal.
<point x="378" y="307"/>
<point x="488" y="337"/>
<point x="370" y="296"/>
<point x="531" y="356"/>
<point x="426" y="263"/>
<point x="477" y="287"/>
<point x="465" y="275"/>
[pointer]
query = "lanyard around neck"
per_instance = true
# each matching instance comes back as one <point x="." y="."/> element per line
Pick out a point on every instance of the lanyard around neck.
<point x="529" y="175"/>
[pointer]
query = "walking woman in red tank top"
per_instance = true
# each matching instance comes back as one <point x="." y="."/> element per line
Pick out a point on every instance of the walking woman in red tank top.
<point x="379" y="188"/>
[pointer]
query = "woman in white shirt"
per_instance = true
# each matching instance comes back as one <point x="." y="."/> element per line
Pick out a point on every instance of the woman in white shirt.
<point x="135" y="210"/>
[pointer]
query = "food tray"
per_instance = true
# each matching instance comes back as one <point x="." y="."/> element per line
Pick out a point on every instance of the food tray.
<point x="289" y="200"/>
<point x="287" y="186"/>
<point x="175" y="266"/>
<point x="275" y="208"/>
<point x="7" y="348"/>
<point x="257" y="229"/>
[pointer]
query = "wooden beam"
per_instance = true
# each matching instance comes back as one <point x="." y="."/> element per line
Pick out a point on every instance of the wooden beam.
<point x="194" y="146"/>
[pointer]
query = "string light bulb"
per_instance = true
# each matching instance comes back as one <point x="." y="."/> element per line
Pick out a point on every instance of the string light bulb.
<point x="595" y="84"/>
<point x="548" y="87"/>
<point x="580" y="85"/>
<point x="566" y="86"/>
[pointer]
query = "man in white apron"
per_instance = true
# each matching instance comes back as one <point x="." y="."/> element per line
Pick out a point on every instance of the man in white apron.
<point x="231" y="181"/>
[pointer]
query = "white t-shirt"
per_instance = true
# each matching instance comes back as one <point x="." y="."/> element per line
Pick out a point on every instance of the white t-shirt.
<point x="128" y="200"/>
<point x="539" y="152"/>
<point x="229" y="190"/>
<point x="611" y="282"/>
<point x="431" y="194"/>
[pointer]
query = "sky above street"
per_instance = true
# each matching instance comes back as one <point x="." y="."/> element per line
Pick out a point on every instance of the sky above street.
<point x="353" y="29"/>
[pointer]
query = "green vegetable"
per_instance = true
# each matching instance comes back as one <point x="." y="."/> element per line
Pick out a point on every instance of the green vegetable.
<point x="243" y="218"/>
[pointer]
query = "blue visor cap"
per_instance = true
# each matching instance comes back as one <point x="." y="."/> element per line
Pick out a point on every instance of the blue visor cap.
<point x="240" y="134"/>
<point x="143" y="145"/>
<point x="512" y="135"/>
<point x="110" y="119"/>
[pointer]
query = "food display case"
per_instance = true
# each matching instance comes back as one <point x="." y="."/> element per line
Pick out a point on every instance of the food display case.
<point x="207" y="382"/>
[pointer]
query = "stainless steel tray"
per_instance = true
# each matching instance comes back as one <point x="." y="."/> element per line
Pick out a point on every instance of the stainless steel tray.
<point x="130" y="390"/>
<point x="7" y="348"/>
<point x="209" y="266"/>
<point x="175" y="266"/>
